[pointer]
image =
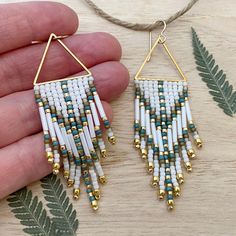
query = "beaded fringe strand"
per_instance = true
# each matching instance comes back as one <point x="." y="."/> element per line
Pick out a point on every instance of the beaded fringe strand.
<point x="70" y="113"/>
<point x="162" y="125"/>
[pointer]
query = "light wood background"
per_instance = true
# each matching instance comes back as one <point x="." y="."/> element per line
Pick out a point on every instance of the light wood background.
<point x="129" y="206"/>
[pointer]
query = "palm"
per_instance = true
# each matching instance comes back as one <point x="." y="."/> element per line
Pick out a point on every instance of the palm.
<point x="21" y="155"/>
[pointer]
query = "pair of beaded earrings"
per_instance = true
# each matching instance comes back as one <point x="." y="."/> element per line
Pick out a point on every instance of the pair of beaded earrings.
<point x="71" y="113"/>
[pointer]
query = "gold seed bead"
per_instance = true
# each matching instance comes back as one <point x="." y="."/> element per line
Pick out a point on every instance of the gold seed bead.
<point x="155" y="181"/>
<point x="56" y="168"/>
<point x="63" y="147"/>
<point x="76" y="193"/>
<point x="112" y="140"/>
<point x="50" y="160"/>
<point x="161" y="194"/>
<point x="68" y="131"/>
<point x="40" y="104"/>
<point x="70" y="182"/>
<point x="61" y="125"/>
<point x="104" y="153"/>
<point x="47" y="111"/>
<point x="97" y="127"/>
<point x="54" y="139"/>
<point x="191" y="153"/>
<point x="198" y="142"/>
<point x="97" y="194"/>
<point x="137" y="143"/>
<point x="180" y="178"/>
<point x="177" y="191"/>
<point x="103" y="179"/>
<point x="170" y="204"/>
<point x="54" y="119"/>
<point x="55" y="171"/>
<point x="188" y="166"/>
<point x="94" y="204"/>
<point x="144" y="153"/>
<point x="49" y="155"/>
<point x="150" y="167"/>
<point x="66" y="174"/>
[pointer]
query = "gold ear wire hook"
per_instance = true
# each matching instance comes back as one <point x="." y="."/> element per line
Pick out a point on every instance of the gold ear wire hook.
<point x="162" y="38"/>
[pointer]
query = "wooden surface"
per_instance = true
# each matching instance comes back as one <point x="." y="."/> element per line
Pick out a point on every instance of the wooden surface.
<point x="129" y="205"/>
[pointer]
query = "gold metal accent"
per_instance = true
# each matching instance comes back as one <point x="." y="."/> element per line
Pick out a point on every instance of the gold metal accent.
<point x="198" y="142"/>
<point x="55" y="171"/>
<point x="51" y="38"/>
<point x="162" y="35"/>
<point x="103" y="179"/>
<point x="56" y="168"/>
<point x="50" y="160"/>
<point x="155" y="181"/>
<point x="112" y="140"/>
<point x="104" y="153"/>
<point x="161" y="194"/>
<point x="66" y="174"/>
<point x="170" y="204"/>
<point x="161" y="41"/>
<point x="70" y="182"/>
<point x="94" y="204"/>
<point x="49" y="155"/>
<point x="76" y="193"/>
<point x="144" y="153"/>
<point x="180" y="178"/>
<point x="137" y="143"/>
<point x="150" y="167"/>
<point x="191" y="153"/>
<point x="96" y="194"/>
<point x="177" y="191"/>
<point x="188" y="166"/>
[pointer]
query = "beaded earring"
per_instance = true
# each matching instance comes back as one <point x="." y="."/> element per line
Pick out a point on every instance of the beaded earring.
<point x="70" y="111"/>
<point x="162" y="125"/>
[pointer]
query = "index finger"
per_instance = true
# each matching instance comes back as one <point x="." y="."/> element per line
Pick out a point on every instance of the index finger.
<point x="22" y="23"/>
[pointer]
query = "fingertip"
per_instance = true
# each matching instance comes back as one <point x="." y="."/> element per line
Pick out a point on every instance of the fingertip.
<point x="111" y="79"/>
<point x="112" y="44"/>
<point x="70" y="15"/>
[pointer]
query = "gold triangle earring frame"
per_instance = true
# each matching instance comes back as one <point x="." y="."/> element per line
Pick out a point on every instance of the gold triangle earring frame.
<point x="160" y="41"/>
<point x="71" y="113"/>
<point x="163" y="125"/>
<point x="58" y="38"/>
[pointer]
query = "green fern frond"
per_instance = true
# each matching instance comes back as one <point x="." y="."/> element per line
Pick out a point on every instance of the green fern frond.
<point x="31" y="213"/>
<point x="64" y="217"/>
<point x="215" y="79"/>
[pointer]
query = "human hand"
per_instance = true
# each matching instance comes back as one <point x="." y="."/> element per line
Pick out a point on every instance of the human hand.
<point x="22" y="158"/>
